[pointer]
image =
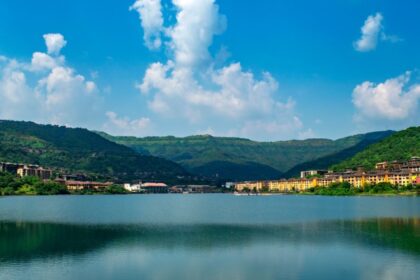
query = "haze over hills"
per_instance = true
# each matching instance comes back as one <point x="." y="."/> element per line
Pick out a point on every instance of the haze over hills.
<point x="79" y="150"/>
<point x="401" y="145"/>
<point x="244" y="159"/>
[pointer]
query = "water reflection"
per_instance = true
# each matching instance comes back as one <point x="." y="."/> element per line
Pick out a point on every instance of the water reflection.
<point x="21" y="242"/>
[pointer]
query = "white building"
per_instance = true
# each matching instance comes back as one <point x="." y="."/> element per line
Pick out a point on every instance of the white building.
<point x="132" y="187"/>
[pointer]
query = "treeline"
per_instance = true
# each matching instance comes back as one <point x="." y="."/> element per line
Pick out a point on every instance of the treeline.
<point x="14" y="185"/>
<point x="11" y="184"/>
<point x="346" y="188"/>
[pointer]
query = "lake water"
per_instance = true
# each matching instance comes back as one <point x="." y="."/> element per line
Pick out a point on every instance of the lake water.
<point x="209" y="237"/>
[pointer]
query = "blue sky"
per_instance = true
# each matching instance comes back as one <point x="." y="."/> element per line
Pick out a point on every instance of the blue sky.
<point x="270" y="70"/>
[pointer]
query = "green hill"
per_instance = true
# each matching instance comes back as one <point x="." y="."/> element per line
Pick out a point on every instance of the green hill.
<point x="335" y="158"/>
<point x="237" y="158"/>
<point x="399" y="146"/>
<point x="79" y="150"/>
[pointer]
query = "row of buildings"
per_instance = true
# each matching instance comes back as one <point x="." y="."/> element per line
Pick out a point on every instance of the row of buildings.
<point x="72" y="182"/>
<point x="397" y="173"/>
<point x="79" y="182"/>
<point x="163" y="188"/>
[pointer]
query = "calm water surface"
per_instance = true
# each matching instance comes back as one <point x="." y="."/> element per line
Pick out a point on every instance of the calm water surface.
<point x="209" y="237"/>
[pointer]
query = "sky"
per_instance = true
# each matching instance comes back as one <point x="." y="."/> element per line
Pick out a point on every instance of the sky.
<point x="267" y="70"/>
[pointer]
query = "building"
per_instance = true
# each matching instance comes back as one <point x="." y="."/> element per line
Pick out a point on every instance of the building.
<point x="413" y="165"/>
<point x="154" y="188"/>
<point x="309" y="173"/>
<point x="9" y="167"/>
<point x="396" y="173"/>
<point x="34" y="170"/>
<point x="132" y="187"/>
<point x="229" y="185"/>
<point x="201" y="189"/>
<point x="84" y="185"/>
<point x="249" y="186"/>
<point x="24" y="170"/>
<point x="381" y="165"/>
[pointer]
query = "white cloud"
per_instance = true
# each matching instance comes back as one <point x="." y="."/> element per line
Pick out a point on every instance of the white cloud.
<point x="124" y="126"/>
<point x="46" y="90"/>
<point x="151" y="21"/>
<point x="391" y="100"/>
<point x="192" y="35"/>
<point x="42" y="61"/>
<point x="55" y="42"/>
<point x="190" y="87"/>
<point x="370" y="33"/>
<point x="373" y="31"/>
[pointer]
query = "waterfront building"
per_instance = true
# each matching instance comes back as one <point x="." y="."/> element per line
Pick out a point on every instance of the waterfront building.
<point x="249" y="186"/>
<point x="154" y="188"/>
<point x="84" y="185"/>
<point x="201" y="188"/>
<point x="396" y="173"/>
<point x="132" y="187"/>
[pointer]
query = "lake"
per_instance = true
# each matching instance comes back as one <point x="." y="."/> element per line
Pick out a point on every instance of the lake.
<point x="212" y="236"/>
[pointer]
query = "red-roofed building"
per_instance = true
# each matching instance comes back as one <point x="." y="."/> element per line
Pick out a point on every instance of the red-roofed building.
<point x="154" y="187"/>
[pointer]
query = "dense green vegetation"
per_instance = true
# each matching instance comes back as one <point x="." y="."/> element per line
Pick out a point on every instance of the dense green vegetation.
<point x="399" y="146"/>
<point x="325" y="162"/>
<point x="79" y="150"/>
<point x="11" y="184"/>
<point x="14" y="185"/>
<point x="346" y="188"/>
<point x="241" y="159"/>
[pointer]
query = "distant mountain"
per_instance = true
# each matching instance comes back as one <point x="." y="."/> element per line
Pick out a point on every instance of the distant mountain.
<point x="401" y="145"/>
<point x="335" y="158"/>
<point x="79" y="150"/>
<point x="237" y="158"/>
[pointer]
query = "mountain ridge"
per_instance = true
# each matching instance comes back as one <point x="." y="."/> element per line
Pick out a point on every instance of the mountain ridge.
<point x="213" y="156"/>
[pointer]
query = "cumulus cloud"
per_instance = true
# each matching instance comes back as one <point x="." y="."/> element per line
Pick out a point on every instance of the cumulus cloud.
<point x="393" y="100"/>
<point x="151" y="21"/>
<point x="373" y="31"/>
<point x="45" y="89"/>
<point x="127" y="127"/>
<point x="55" y="42"/>
<point x="190" y="87"/>
<point x="192" y="35"/>
<point x="370" y="33"/>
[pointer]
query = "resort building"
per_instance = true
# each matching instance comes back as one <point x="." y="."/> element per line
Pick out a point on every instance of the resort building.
<point x="154" y="188"/>
<point x="132" y="187"/>
<point x="84" y="185"/>
<point x="24" y="170"/>
<point x="396" y="173"/>
<point x="34" y="170"/>
<point x="249" y="186"/>
<point x="9" y="167"/>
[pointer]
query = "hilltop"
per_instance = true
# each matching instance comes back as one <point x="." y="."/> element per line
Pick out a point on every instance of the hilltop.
<point x="79" y="150"/>
<point x="243" y="159"/>
<point x="401" y="145"/>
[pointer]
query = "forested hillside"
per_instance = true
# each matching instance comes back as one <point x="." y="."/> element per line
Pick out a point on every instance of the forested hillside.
<point x="399" y="146"/>
<point x="78" y="150"/>
<point x="241" y="159"/>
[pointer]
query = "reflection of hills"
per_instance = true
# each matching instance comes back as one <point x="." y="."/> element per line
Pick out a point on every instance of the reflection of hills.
<point x="23" y="241"/>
